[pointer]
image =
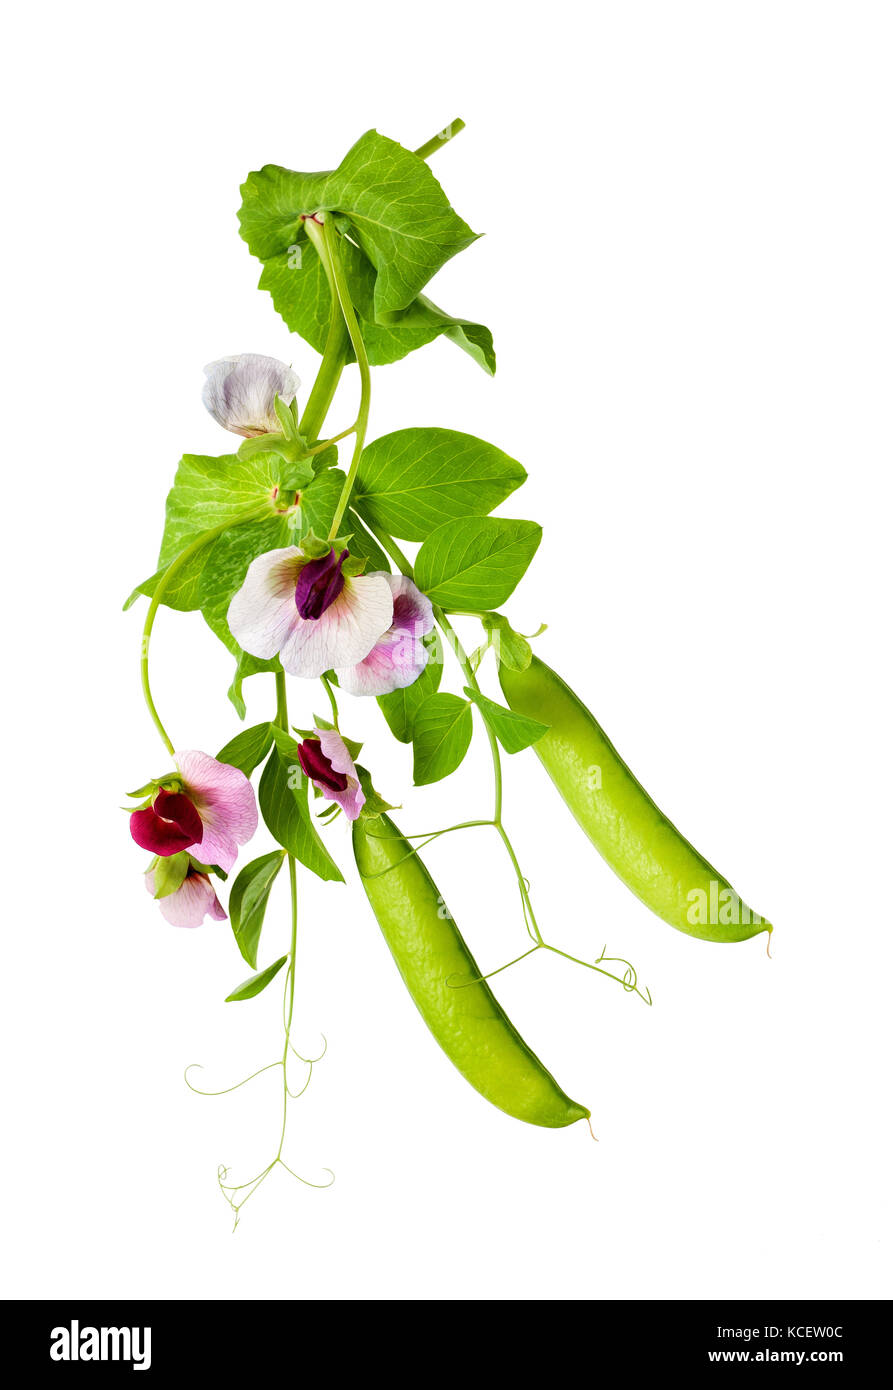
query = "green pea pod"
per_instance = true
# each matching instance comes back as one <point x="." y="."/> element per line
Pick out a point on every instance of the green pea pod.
<point x="641" y="845"/>
<point x="441" y="975"/>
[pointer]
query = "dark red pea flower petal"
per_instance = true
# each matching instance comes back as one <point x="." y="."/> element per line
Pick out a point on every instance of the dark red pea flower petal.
<point x="319" y="584"/>
<point x="318" y="767"/>
<point x="169" y="825"/>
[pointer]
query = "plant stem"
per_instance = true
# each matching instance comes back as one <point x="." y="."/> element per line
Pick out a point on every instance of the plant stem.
<point x="402" y="562"/>
<point x="438" y="141"/>
<point x="282" y="723"/>
<point x="334" y="360"/>
<point x="161" y="588"/>
<point x="325" y="239"/>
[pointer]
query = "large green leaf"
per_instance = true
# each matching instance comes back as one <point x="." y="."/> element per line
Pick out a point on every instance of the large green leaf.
<point x="287" y="815"/>
<point x="208" y="492"/>
<point x="514" y="731"/>
<point x="475" y="564"/>
<point x="412" y="481"/>
<point x="440" y="737"/>
<point x="249" y="988"/>
<point x="294" y="277"/>
<point x="248" y="902"/>
<point x="398" y="212"/>
<point x="400" y="706"/>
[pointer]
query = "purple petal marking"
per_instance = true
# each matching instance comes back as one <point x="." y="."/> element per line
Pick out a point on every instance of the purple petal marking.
<point x="319" y="584"/>
<point x="319" y="768"/>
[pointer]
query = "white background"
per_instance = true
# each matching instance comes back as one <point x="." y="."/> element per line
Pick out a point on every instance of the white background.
<point x="687" y="269"/>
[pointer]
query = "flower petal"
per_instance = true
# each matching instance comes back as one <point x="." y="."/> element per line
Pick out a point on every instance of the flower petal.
<point x="169" y="825"/>
<point x="399" y="657"/>
<point x="224" y="798"/>
<point x="194" y="900"/>
<point x="240" y="392"/>
<point x="262" y="615"/>
<point x="346" y="632"/>
<point x="335" y="749"/>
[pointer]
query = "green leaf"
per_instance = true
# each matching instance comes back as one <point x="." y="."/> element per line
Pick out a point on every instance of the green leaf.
<point x="249" y="988"/>
<point x="400" y="706"/>
<point x="247" y="666"/>
<point x="398" y="211"/>
<point x="208" y="492"/>
<point x="514" y="731"/>
<point x="248" y="749"/>
<point x="441" y="734"/>
<point x="512" y="649"/>
<point x="294" y="277"/>
<point x="287" y="816"/>
<point x="475" y="564"/>
<point x="248" y="902"/>
<point x="170" y="871"/>
<point x="412" y="481"/>
<point x="374" y="805"/>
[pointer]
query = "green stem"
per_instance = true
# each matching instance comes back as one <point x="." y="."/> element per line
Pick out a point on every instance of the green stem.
<point x="332" y="701"/>
<point x="282" y="723"/>
<point x="402" y="562"/>
<point x="334" y="360"/>
<point x="161" y="589"/>
<point x="438" y="141"/>
<point x="325" y="238"/>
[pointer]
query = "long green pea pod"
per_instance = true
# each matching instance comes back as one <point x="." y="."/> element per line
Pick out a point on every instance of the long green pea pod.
<point x="441" y="975"/>
<point x="641" y="845"/>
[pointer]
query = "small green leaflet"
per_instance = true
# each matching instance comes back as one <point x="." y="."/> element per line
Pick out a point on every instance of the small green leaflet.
<point x="248" y="749"/>
<point x="247" y="666"/>
<point x="249" y="988"/>
<point x="287" y="815"/>
<point x="248" y="902"/>
<point x="440" y="737"/>
<point x="412" y="481"/>
<point x="474" y="564"/>
<point x="400" y="706"/>
<point x="514" y="731"/>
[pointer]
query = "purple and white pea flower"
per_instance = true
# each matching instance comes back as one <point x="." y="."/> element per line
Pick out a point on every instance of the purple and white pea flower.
<point x="240" y="392"/>
<point x="399" y="656"/>
<point x="367" y="628"/>
<point x="308" y="612"/>
<point x="325" y="759"/>
<point x="191" y="903"/>
<point x="212" y="811"/>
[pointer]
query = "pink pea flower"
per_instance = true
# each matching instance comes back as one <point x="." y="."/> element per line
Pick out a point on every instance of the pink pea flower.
<point x="214" y="811"/>
<point x="331" y="769"/>
<point x="192" y="902"/>
<point x="308" y="612"/>
<point x="240" y="392"/>
<point x="399" y="656"/>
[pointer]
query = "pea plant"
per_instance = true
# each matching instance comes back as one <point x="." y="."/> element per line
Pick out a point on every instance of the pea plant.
<point x="292" y="548"/>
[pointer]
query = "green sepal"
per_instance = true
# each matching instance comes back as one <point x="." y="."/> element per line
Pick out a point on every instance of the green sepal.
<point x="170" y="871"/>
<point x="285" y="416"/>
<point x="374" y="805"/>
